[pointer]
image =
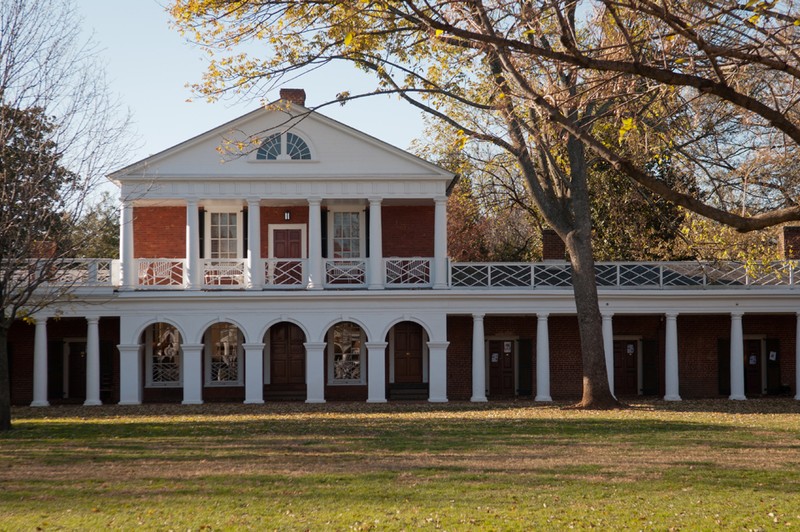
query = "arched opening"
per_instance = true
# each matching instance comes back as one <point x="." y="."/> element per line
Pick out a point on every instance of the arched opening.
<point x="346" y="362"/>
<point x="407" y="361"/>
<point x="285" y="363"/>
<point x="160" y="344"/>
<point x="223" y="363"/>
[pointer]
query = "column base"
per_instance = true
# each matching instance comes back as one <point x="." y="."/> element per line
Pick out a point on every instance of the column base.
<point x="40" y="403"/>
<point x="479" y="400"/>
<point x="377" y="401"/>
<point x="796" y="397"/>
<point x="437" y="399"/>
<point x="315" y="401"/>
<point x="672" y="398"/>
<point x="254" y="401"/>
<point x="737" y="398"/>
<point x="192" y="402"/>
<point x="543" y="399"/>
<point x="92" y="402"/>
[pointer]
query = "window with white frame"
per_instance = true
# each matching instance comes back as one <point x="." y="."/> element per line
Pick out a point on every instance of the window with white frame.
<point x="346" y="234"/>
<point x="224" y="230"/>
<point x="163" y="355"/>
<point x="345" y="354"/>
<point x="283" y="147"/>
<point x="223" y="354"/>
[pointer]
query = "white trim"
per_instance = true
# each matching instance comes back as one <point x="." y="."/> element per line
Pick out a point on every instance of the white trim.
<point x="303" y="239"/>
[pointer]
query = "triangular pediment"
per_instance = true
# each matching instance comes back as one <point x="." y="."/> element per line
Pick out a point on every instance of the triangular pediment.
<point x="228" y="153"/>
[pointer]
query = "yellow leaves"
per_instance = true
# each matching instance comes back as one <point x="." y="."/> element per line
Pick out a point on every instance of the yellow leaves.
<point x="439" y="33"/>
<point x="680" y="61"/>
<point x="348" y="38"/>
<point x="627" y="127"/>
<point x="797" y="22"/>
<point x="461" y="140"/>
<point x="754" y="19"/>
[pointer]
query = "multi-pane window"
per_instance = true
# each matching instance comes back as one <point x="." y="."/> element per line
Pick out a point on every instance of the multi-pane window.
<point x="288" y="146"/>
<point x="223" y="349"/>
<point x="163" y="352"/>
<point x="224" y="238"/>
<point x="345" y="343"/>
<point x="346" y="235"/>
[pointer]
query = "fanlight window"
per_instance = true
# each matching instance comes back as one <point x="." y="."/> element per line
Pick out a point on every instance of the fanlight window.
<point x="283" y="147"/>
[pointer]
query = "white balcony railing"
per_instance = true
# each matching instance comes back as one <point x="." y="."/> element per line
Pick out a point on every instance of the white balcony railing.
<point x="341" y="273"/>
<point x="408" y="272"/>
<point x="223" y="273"/>
<point x="160" y="274"/>
<point x="285" y="273"/>
<point x="660" y="275"/>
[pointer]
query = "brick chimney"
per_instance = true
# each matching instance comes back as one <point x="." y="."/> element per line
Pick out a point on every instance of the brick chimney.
<point x="296" y="96"/>
<point x="789" y="242"/>
<point x="553" y="247"/>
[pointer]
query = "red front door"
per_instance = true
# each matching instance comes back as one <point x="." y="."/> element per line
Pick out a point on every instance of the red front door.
<point x="287" y="354"/>
<point x="287" y="244"/>
<point x="501" y="368"/>
<point x="626" y="367"/>
<point x="407" y="353"/>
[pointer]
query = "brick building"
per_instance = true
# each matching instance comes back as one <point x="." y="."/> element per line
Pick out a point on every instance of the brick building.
<point x="315" y="268"/>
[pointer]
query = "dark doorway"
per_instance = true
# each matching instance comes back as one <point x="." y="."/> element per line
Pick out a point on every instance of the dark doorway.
<point x="752" y="367"/>
<point x="626" y="367"/>
<point x="76" y="370"/>
<point x="407" y="353"/>
<point x="501" y="368"/>
<point x="287" y="354"/>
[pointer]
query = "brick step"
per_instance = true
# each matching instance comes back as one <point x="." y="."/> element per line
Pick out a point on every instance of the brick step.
<point x="408" y="392"/>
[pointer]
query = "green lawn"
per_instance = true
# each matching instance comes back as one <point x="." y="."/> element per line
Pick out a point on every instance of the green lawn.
<point x="508" y="466"/>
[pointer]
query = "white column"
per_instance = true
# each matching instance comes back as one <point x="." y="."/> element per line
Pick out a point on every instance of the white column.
<point x="440" y="243"/>
<point x="376" y="277"/>
<point x="130" y="375"/>
<point x="608" y="348"/>
<point x="478" y="360"/>
<point x="254" y="265"/>
<point x="253" y="374"/>
<point x="797" y="358"/>
<point x="542" y="358"/>
<point x="192" y="273"/>
<point x="127" y="263"/>
<point x="315" y="279"/>
<point x="315" y="372"/>
<point x="40" y="362"/>
<point x="376" y="372"/>
<point x="737" y="358"/>
<point x="192" y="374"/>
<point x="92" y="362"/>
<point x="437" y="359"/>
<point x="671" y="359"/>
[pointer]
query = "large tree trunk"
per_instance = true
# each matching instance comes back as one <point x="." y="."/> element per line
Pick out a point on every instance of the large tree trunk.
<point x="5" y="381"/>
<point x="596" y="392"/>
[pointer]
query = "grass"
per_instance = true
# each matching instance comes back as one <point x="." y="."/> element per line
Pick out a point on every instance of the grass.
<point x="693" y="465"/>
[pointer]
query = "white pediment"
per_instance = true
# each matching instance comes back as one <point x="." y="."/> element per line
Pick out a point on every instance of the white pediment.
<point x="228" y="155"/>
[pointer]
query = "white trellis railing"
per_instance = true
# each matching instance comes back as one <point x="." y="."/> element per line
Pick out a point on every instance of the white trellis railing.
<point x="285" y="273"/>
<point x="342" y="273"/>
<point x="223" y="273"/>
<point x="660" y="275"/>
<point x="160" y="274"/>
<point x="408" y="272"/>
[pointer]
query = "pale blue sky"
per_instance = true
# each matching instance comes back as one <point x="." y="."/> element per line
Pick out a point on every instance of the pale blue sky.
<point x="148" y="65"/>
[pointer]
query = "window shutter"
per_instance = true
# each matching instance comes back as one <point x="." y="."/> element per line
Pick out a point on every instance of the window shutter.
<point x="366" y="232"/>
<point x="324" y="220"/>
<point x="202" y="234"/>
<point x="244" y="233"/>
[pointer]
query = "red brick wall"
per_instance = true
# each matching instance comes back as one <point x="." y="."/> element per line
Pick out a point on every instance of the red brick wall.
<point x="789" y="242"/>
<point x="459" y="358"/>
<point x="407" y="230"/>
<point x="274" y="215"/>
<point x="159" y="232"/>
<point x="553" y="247"/>
<point x="566" y="368"/>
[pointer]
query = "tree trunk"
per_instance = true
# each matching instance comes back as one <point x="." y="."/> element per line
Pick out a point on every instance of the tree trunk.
<point x="5" y="381"/>
<point x="596" y="392"/>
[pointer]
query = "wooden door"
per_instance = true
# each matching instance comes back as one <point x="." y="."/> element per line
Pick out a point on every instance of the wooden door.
<point x="287" y="354"/>
<point x="752" y="367"/>
<point x="287" y="244"/>
<point x="501" y="368"/>
<point x="407" y="353"/>
<point x="77" y="370"/>
<point x="626" y="367"/>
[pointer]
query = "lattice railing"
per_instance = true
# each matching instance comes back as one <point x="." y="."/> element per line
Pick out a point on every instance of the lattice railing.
<point x="660" y="275"/>
<point x="345" y="272"/>
<point x="225" y="273"/>
<point x="413" y="272"/>
<point x="160" y="273"/>
<point x="284" y="273"/>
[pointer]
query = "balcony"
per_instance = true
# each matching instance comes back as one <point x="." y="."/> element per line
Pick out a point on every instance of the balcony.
<point x="417" y="273"/>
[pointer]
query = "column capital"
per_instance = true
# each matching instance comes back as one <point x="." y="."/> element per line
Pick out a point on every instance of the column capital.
<point x="542" y="315"/>
<point x="253" y="199"/>
<point x="253" y="345"/>
<point x="128" y="348"/>
<point x="191" y="202"/>
<point x="315" y="201"/>
<point x="438" y="345"/>
<point x="478" y="316"/>
<point x="192" y="347"/>
<point x="375" y="199"/>
<point x="93" y="319"/>
<point x="440" y="199"/>
<point x="315" y="345"/>
<point x="737" y="314"/>
<point x="376" y="345"/>
<point x="607" y="315"/>
<point x="671" y="315"/>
